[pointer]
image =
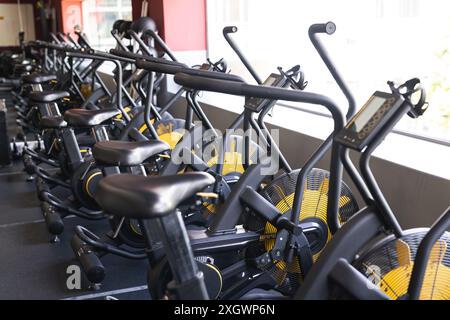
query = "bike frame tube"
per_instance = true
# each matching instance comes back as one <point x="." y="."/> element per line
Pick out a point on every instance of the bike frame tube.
<point x="118" y="77"/>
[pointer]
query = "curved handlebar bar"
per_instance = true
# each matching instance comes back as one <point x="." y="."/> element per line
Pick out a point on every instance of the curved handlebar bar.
<point x="174" y="69"/>
<point x="141" y="43"/>
<point x="105" y="55"/>
<point x="243" y="89"/>
<point x="159" y="67"/>
<point x="44" y="44"/>
<point x="136" y="57"/>
<point x="330" y="28"/>
<point x="161" y="43"/>
<point x="127" y="54"/>
<point x="119" y="76"/>
<point x="226" y="33"/>
<point x="230" y="29"/>
<point x="213" y="75"/>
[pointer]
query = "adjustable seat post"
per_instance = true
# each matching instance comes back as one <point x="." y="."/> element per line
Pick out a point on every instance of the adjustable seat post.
<point x="71" y="147"/>
<point x="99" y="133"/>
<point x="188" y="282"/>
<point x="150" y="233"/>
<point x="54" y="109"/>
<point x="44" y="109"/>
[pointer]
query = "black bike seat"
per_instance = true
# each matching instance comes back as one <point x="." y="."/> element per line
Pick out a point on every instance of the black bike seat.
<point x="38" y="78"/>
<point x="89" y="118"/>
<point x="22" y="67"/>
<point x="53" y="122"/>
<point x="262" y="294"/>
<point x="127" y="153"/>
<point x="47" y="96"/>
<point x="140" y="197"/>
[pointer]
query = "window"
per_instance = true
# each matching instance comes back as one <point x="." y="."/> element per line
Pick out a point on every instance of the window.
<point x="98" y="18"/>
<point x="375" y="41"/>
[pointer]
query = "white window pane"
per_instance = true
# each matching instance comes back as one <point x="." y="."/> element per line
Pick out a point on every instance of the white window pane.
<point x="375" y="41"/>
<point x="98" y="18"/>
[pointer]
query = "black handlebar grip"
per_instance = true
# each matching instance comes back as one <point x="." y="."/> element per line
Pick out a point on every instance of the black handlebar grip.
<point x="127" y="54"/>
<point x="328" y="28"/>
<point x="213" y="75"/>
<point x="230" y="29"/>
<point x="158" y="67"/>
<point x="151" y="32"/>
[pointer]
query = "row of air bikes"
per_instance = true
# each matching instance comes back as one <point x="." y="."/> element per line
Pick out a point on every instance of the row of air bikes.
<point x="222" y="226"/>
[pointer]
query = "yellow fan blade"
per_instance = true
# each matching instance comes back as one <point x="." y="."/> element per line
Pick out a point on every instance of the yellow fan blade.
<point x="324" y="186"/>
<point x="171" y="138"/>
<point x="233" y="145"/>
<point x="403" y="253"/>
<point x="438" y="251"/>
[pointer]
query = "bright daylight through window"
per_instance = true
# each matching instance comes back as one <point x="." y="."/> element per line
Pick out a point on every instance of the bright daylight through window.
<point x="375" y="40"/>
<point x="99" y="16"/>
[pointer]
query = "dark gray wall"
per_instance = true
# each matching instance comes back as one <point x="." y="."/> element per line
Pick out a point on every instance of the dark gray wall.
<point x="417" y="198"/>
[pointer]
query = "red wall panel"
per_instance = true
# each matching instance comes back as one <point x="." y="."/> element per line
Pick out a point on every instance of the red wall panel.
<point x="185" y="24"/>
<point x="181" y="23"/>
<point x="71" y="14"/>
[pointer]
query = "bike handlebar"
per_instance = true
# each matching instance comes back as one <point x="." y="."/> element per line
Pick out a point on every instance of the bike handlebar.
<point x="266" y="92"/>
<point x="174" y="69"/>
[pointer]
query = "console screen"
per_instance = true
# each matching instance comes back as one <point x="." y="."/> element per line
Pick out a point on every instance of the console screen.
<point x="368" y="111"/>
<point x="204" y="66"/>
<point x="270" y="81"/>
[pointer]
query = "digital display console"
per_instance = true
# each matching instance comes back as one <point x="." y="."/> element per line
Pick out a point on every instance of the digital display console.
<point x="257" y="104"/>
<point x="364" y="125"/>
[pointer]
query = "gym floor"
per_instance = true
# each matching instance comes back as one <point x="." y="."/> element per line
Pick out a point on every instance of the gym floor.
<point x="34" y="268"/>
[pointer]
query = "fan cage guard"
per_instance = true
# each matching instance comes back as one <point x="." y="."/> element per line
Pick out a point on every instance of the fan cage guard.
<point x="234" y="154"/>
<point x="170" y="131"/>
<point x="280" y="192"/>
<point x="390" y="265"/>
<point x="233" y="161"/>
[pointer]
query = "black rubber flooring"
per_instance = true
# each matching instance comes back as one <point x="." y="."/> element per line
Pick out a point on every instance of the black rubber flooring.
<point x="31" y="267"/>
<point x="34" y="268"/>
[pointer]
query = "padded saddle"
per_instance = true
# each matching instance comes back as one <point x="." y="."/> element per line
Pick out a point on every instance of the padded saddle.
<point x="52" y="122"/>
<point x="89" y="118"/>
<point x="140" y="197"/>
<point x="47" y="96"/>
<point x="38" y="78"/>
<point x="23" y="67"/>
<point x="127" y="153"/>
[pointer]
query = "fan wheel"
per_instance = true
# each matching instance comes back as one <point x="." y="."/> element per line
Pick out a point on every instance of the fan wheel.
<point x="169" y="130"/>
<point x="84" y="183"/>
<point x="389" y="265"/>
<point x="280" y="192"/>
<point x="233" y="157"/>
<point x="130" y="233"/>
<point x="159" y="278"/>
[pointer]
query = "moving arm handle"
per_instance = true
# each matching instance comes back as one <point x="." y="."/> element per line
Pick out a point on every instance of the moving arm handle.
<point x="161" y="43"/>
<point x="330" y="28"/>
<point x="226" y="33"/>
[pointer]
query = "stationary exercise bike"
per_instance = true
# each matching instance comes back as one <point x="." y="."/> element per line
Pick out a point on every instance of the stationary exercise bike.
<point x="89" y="247"/>
<point x="371" y="257"/>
